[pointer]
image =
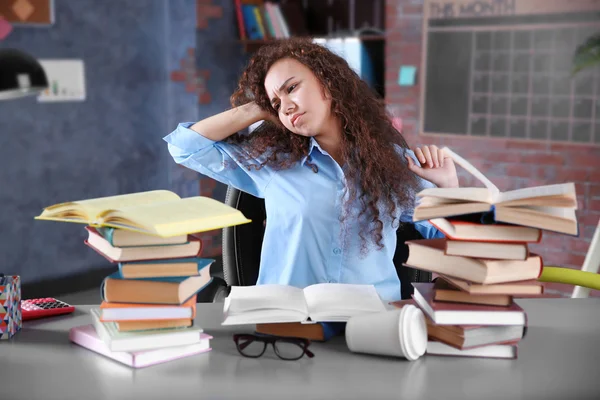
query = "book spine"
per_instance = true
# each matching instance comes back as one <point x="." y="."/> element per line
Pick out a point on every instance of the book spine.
<point x="107" y="234"/>
<point x="240" y="19"/>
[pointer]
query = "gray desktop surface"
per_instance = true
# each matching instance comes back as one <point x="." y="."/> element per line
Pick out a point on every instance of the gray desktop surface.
<point x="558" y="359"/>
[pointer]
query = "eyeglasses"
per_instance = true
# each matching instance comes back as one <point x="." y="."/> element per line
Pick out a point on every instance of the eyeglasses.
<point x="286" y="348"/>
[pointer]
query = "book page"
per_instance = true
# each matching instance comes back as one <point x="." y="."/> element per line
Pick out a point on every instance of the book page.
<point x="325" y="300"/>
<point x="92" y="208"/>
<point x="171" y="218"/>
<point x="549" y="212"/>
<point x="470" y="168"/>
<point x="243" y="299"/>
<point x="454" y="195"/>
<point x="565" y="189"/>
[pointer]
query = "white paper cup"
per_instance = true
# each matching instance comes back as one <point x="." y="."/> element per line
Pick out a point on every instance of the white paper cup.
<point x="397" y="333"/>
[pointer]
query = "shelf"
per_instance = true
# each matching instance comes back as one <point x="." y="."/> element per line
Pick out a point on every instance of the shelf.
<point x="267" y="41"/>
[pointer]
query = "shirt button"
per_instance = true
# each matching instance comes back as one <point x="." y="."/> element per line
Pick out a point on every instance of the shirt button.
<point x="337" y="251"/>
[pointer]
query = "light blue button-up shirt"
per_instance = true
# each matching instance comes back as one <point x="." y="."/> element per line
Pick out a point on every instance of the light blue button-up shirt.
<point x="305" y="242"/>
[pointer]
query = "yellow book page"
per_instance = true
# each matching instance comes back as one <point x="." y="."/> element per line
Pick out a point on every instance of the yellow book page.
<point x="87" y="211"/>
<point x="188" y="215"/>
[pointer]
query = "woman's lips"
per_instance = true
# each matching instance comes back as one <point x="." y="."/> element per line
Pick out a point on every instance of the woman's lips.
<point x="296" y="118"/>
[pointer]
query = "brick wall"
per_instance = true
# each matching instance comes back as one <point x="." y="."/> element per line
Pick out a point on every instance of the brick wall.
<point x="509" y="163"/>
<point x="207" y="71"/>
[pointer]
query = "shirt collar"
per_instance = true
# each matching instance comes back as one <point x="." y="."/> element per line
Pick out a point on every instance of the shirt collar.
<point x="311" y="147"/>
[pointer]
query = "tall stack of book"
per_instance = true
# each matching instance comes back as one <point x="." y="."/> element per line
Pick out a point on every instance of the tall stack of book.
<point x="148" y="304"/>
<point x="484" y="262"/>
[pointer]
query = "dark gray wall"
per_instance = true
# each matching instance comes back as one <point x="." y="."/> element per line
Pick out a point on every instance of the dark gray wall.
<point x="110" y="144"/>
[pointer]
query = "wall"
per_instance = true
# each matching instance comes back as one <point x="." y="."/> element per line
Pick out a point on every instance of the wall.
<point x="210" y="72"/>
<point x="510" y="164"/>
<point x="109" y="144"/>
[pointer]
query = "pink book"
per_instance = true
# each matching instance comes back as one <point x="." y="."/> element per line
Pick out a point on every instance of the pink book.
<point x="86" y="336"/>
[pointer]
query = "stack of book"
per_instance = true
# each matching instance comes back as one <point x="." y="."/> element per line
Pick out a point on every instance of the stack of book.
<point x="484" y="262"/>
<point x="148" y="304"/>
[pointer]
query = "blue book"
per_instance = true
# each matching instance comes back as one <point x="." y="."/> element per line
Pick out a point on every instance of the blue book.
<point x="125" y="238"/>
<point x="165" y="290"/>
<point x="164" y="268"/>
<point x="252" y="27"/>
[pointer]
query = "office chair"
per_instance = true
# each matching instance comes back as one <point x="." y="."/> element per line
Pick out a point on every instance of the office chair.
<point x="242" y="246"/>
<point x="585" y="279"/>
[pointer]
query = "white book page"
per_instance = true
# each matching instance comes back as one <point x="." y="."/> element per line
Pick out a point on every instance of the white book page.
<point x="559" y="212"/>
<point x="243" y="299"/>
<point x="454" y="195"/>
<point x="538" y="191"/>
<point x="326" y="301"/>
<point x="470" y="168"/>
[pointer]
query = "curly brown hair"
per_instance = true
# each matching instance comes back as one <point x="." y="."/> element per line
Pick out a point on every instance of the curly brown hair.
<point x="376" y="172"/>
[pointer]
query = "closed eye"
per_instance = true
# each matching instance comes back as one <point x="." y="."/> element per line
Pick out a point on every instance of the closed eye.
<point x="275" y="106"/>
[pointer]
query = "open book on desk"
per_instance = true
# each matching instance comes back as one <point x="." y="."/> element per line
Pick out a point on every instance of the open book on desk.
<point x="550" y="207"/>
<point x="333" y="302"/>
<point x="157" y="212"/>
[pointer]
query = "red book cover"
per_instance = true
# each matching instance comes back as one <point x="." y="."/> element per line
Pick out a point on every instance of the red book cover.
<point x="240" y="19"/>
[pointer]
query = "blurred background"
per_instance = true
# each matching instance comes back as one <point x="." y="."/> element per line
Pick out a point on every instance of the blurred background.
<point x="511" y="85"/>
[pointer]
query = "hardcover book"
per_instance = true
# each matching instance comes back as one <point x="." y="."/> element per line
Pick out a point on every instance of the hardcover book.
<point x="86" y="336"/>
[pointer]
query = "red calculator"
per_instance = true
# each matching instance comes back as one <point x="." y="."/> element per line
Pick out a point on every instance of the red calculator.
<point x="45" y="307"/>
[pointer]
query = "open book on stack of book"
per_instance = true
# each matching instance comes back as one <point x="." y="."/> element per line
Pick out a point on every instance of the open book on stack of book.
<point x="148" y="304"/>
<point x="484" y="261"/>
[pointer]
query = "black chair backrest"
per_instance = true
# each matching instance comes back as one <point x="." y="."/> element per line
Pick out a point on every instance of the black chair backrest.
<point x="242" y="245"/>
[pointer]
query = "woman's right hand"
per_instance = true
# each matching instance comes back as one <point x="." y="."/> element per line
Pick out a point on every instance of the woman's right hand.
<point x="264" y="115"/>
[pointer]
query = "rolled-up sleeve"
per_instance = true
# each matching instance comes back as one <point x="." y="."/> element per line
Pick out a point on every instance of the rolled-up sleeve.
<point x="216" y="160"/>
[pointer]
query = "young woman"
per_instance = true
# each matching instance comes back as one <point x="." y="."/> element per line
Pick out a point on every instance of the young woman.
<point x="336" y="176"/>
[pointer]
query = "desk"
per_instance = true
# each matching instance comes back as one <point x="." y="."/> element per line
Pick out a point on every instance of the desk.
<point x="559" y="358"/>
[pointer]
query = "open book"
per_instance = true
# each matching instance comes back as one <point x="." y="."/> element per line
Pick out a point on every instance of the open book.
<point x="550" y="207"/>
<point x="316" y="303"/>
<point x="158" y="212"/>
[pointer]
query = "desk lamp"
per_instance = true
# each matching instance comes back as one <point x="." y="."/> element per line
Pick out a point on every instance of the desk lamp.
<point x="20" y="75"/>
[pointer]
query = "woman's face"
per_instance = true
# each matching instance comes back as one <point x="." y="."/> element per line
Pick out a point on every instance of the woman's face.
<point x="298" y="97"/>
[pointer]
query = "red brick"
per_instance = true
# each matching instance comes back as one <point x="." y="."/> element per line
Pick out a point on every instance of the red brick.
<point x="201" y="23"/>
<point x="594" y="190"/>
<point x="190" y="87"/>
<point x="587" y="232"/>
<point x="526" y="145"/>
<point x="563" y="259"/>
<point x="588" y="217"/>
<point x="545" y="159"/>
<point x="588" y="160"/>
<point x="204" y="98"/>
<point x="558" y="288"/>
<point x="576" y="174"/>
<point x="579" y="246"/>
<point x="178" y="76"/>
<point x="504" y="157"/>
<point x="574" y="148"/>
<point x="595" y="176"/>
<point x="517" y="170"/>
<point x="593" y="204"/>
<point x="210" y="11"/>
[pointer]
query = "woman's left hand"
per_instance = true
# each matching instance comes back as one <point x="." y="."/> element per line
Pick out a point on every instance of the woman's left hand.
<point x="435" y="166"/>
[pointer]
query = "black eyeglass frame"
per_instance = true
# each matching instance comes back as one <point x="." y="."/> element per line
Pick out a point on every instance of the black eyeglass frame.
<point x="272" y="340"/>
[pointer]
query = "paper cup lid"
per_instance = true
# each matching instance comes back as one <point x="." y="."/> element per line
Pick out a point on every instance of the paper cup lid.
<point x="417" y="332"/>
<point x="413" y="333"/>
